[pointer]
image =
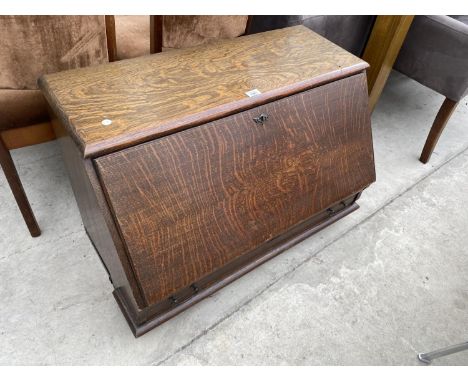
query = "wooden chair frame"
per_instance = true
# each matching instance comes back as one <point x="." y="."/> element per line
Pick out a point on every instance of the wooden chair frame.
<point x="111" y="38"/>
<point x="34" y="134"/>
<point x="438" y="126"/>
<point x="16" y="186"/>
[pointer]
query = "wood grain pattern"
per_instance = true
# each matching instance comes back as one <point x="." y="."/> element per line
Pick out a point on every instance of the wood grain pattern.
<point x="385" y="41"/>
<point x="190" y="203"/>
<point x="146" y="319"/>
<point x="152" y="96"/>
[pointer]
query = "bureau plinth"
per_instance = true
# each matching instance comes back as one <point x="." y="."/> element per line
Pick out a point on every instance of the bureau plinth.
<point x="184" y="182"/>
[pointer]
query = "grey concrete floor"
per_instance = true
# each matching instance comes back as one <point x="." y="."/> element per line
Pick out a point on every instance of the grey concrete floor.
<point x="375" y="288"/>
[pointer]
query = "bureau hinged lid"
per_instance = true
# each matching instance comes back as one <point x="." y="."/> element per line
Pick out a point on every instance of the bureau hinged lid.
<point x="112" y="106"/>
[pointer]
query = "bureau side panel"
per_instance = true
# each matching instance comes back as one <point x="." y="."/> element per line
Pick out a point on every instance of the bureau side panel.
<point x="96" y="217"/>
<point x="192" y="202"/>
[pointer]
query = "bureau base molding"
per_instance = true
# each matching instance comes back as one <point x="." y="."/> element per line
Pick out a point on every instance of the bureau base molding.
<point x="142" y="321"/>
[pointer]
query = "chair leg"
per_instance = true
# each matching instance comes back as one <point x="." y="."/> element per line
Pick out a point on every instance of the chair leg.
<point x="428" y="357"/>
<point x="17" y="188"/>
<point x="438" y="126"/>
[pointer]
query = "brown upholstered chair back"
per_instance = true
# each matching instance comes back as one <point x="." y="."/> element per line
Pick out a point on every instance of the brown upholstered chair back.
<point x="133" y="32"/>
<point x="33" y="45"/>
<point x="187" y="31"/>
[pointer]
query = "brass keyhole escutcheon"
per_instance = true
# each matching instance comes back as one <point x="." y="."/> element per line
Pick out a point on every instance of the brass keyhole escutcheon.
<point x="262" y="118"/>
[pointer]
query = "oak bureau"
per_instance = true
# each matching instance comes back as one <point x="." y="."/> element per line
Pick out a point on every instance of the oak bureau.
<point x="192" y="167"/>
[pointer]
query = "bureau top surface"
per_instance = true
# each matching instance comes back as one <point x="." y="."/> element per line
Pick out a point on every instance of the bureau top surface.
<point x="117" y="105"/>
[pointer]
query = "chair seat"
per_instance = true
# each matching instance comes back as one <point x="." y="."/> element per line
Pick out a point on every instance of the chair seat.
<point x="350" y="32"/>
<point x="20" y="108"/>
<point x="435" y="54"/>
<point x="463" y="19"/>
<point x="132" y="32"/>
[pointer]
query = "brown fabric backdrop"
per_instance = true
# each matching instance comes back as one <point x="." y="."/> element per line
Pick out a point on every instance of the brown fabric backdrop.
<point x="33" y="45"/>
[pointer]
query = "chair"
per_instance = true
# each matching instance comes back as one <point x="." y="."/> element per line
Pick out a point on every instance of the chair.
<point x="349" y="32"/>
<point x="427" y="358"/>
<point x="141" y="35"/>
<point x="435" y="54"/>
<point x="29" y="47"/>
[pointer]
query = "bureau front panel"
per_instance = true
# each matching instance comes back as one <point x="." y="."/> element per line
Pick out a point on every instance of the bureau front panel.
<point x="189" y="203"/>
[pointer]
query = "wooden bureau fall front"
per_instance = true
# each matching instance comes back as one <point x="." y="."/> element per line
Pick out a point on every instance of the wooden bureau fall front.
<point x="192" y="167"/>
